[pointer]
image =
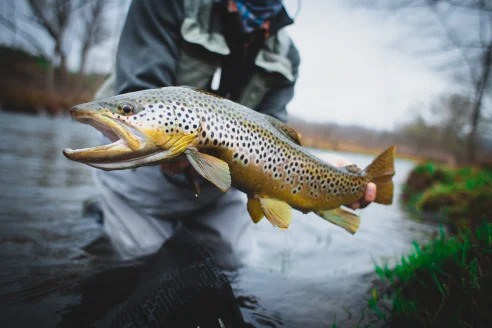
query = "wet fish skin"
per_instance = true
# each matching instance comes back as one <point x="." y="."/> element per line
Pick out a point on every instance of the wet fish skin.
<point x="230" y="144"/>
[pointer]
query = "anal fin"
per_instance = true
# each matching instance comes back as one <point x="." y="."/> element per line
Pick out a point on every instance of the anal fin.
<point x="211" y="168"/>
<point x="254" y="209"/>
<point x="278" y="212"/>
<point x="342" y="218"/>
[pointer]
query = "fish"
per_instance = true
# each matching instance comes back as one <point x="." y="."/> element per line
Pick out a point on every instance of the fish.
<point x="229" y="144"/>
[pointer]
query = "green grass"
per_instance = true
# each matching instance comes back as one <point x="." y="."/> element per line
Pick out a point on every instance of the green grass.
<point x="463" y="196"/>
<point x="445" y="283"/>
<point x="448" y="281"/>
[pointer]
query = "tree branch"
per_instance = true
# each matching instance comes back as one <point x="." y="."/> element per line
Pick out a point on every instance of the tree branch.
<point x="32" y="41"/>
<point x="452" y="38"/>
<point x="43" y="21"/>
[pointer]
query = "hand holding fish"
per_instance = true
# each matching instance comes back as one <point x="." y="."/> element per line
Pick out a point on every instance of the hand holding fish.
<point x="190" y="130"/>
<point x="370" y="192"/>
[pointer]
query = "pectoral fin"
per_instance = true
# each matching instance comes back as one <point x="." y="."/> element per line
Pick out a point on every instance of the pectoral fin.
<point x="279" y="213"/>
<point x="342" y="218"/>
<point x="211" y="168"/>
<point x="254" y="209"/>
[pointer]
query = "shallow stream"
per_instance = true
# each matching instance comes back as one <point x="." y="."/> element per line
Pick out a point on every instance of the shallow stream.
<point x="301" y="277"/>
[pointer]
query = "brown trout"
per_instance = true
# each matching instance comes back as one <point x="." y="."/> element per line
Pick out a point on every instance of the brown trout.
<point x="228" y="143"/>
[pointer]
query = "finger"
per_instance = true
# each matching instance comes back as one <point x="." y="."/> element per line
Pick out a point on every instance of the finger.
<point x="337" y="160"/>
<point x="175" y="167"/>
<point x="183" y="165"/>
<point x="165" y="167"/>
<point x="179" y="167"/>
<point x="369" y="196"/>
<point x="354" y="206"/>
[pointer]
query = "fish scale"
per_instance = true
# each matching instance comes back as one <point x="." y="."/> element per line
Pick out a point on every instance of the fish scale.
<point x="229" y="143"/>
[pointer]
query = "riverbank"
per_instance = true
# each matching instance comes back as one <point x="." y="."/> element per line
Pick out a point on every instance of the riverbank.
<point x="443" y="283"/>
<point x="30" y="84"/>
<point x="458" y="197"/>
<point x="446" y="282"/>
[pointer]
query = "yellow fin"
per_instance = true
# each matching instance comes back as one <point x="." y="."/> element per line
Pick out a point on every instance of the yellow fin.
<point x="384" y="193"/>
<point x="279" y="213"/>
<point x="342" y="218"/>
<point x="211" y="168"/>
<point x="286" y="130"/>
<point x="254" y="209"/>
<point x="177" y="143"/>
<point x="381" y="171"/>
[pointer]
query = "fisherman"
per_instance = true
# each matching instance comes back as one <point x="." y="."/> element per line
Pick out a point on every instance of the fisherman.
<point x="238" y="49"/>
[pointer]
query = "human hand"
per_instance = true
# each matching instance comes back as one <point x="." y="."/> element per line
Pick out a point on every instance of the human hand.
<point x="175" y="167"/>
<point x="370" y="193"/>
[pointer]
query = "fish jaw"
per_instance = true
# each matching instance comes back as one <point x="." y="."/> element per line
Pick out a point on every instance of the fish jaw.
<point x="129" y="145"/>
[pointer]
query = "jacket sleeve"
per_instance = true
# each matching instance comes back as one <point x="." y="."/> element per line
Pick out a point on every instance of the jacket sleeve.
<point x="148" y="49"/>
<point x="274" y="103"/>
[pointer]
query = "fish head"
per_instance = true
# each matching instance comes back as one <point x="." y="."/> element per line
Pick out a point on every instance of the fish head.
<point x="140" y="125"/>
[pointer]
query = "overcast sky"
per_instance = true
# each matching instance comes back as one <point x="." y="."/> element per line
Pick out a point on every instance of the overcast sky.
<point x="350" y="73"/>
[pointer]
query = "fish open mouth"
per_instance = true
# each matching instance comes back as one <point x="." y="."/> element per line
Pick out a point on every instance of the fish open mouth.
<point x="128" y="146"/>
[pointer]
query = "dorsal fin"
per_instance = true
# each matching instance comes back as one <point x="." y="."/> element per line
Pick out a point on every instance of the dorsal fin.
<point x="202" y="91"/>
<point x="286" y="130"/>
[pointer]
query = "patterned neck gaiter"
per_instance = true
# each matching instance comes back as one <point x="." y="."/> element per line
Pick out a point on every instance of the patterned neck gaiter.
<point x="255" y="14"/>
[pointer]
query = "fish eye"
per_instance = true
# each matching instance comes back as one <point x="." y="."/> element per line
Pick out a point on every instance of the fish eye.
<point x="126" y="109"/>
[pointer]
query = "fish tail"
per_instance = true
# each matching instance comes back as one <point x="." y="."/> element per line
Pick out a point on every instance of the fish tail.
<point x="381" y="171"/>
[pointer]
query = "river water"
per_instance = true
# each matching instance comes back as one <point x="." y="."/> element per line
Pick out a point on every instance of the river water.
<point x="304" y="276"/>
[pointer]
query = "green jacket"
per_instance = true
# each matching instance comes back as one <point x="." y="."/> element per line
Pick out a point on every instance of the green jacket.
<point x="179" y="42"/>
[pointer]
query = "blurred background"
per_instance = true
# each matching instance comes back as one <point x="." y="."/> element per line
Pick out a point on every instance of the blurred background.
<point x="415" y="73"/>
<point x="410" y="72"/>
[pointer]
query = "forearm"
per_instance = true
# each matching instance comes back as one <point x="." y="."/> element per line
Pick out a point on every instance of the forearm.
<point x="275" y="102"/>
<point x="148" y="50"/>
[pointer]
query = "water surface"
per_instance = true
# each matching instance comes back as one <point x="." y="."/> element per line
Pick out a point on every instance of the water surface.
<point x="303" y="276"/>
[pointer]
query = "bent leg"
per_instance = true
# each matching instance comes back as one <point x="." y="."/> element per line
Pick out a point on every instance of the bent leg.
<point x="133" y="232"/>
<point x="225" y="228"/>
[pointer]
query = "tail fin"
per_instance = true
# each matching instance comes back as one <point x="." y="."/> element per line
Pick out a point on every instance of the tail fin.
<point x="380" y="171"/>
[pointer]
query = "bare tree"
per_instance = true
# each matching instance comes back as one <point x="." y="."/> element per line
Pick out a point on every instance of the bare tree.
<point x="94" y="31"/>
<point x="462" y="48"/>
<point x="452" y="112"/>
<point x="54" y="17"/>
<point x="33" y="45"/>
